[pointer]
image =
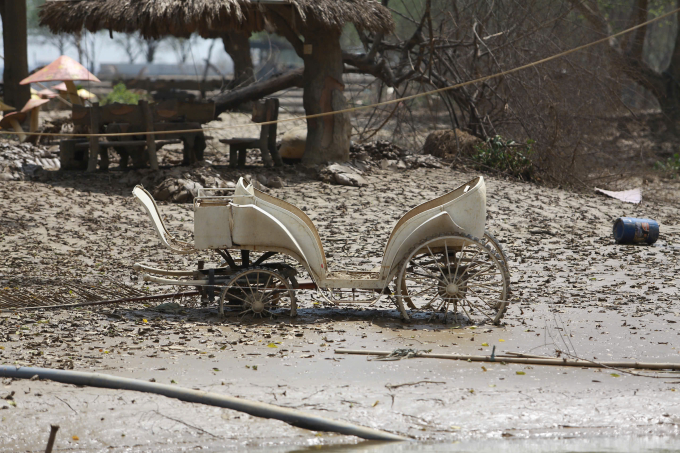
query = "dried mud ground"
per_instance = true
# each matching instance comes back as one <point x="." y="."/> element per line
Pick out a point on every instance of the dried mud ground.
<point x="574" y="289"/>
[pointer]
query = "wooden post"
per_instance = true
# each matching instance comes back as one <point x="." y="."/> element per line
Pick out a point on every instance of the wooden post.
<point x="189" y="140"/>
<point x="233" y="156"/>
<point x="17" y="127"/>
<point x="94" y="141"/>
<point x="272" y="105"/>
<point x="264" y="146"/>
<point x="15" y="52"/>
<point x="150" y="138"/>
<point x="260" y="115"/>
<point x="70" y="157"/>
<point x="53" y="436"/>
<point x="72" y="93"/>
<point x="242" y="153"/>
<point x="327" y="137"/>
<point x="103" y="157"/>
<point x="35" y="119"/>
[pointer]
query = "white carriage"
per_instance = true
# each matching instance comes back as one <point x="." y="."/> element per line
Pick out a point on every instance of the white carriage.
<point x="438" y="257"/>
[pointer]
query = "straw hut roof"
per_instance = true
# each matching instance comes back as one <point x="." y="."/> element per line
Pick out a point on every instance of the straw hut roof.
<point x="156" y="18"/>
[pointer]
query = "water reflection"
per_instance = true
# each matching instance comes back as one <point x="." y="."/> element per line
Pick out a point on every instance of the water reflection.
<point x="591" y="445"/>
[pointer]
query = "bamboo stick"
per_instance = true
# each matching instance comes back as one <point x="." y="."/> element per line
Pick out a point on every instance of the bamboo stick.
<point x="150" y="140"/>
<point x="72" y="92"/>
<point x="528" y="361"/>
<point x="58" y="96"/>
<point x="519" y="354"/>
<point x="101" y="302"/>
<point x="20" y="131"/>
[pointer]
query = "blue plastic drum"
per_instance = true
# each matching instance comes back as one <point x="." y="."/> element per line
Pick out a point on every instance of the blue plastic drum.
<point x="629" y="230"/>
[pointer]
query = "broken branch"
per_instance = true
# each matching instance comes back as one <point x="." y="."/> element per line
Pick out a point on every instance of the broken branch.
<point x="528" y="361"/>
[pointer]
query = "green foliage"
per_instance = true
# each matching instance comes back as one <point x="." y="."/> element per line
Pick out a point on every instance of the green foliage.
<point x="505" y="156"/>
<point x="671" y="165"/>
<point x="121" y="95"/>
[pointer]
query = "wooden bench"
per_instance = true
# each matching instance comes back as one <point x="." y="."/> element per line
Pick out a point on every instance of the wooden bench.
<point x="144" y="117"/>
<point x="263" y="111"/>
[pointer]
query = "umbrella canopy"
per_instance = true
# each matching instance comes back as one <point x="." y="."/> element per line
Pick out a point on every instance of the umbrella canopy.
<point x="84" y="94"/>
<point x="153" y="18"/>
<point x="47" y="93"/>
<point x="63" y="68"/>
<point x="60" y="87"/>
<point x="6" y="108"/>
<point x="7" y="120"/>
<point x="33" y="103"/>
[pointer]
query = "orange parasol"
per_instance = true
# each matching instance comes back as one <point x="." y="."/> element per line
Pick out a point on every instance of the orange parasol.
<point x="14" y="120"/>
<point x="65" y="69"/>
<point x="47" y="93"/>
<point x="33" y="106"/>
<point x="59" y="87"/>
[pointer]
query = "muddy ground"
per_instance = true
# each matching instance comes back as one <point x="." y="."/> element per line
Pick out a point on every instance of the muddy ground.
<point x="575" y="291"/>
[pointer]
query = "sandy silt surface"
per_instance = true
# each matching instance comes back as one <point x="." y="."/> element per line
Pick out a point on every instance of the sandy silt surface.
<point x="575" y="290"/>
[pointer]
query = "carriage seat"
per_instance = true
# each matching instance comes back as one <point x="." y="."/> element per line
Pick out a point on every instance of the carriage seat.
<point x="466" y="209"/>
<point x="295" y="221"/>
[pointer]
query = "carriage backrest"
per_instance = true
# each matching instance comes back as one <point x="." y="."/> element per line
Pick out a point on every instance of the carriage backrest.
<point x="466" y="206"/>
<point x="307" y="235"/>
<point x="242" y="192"/>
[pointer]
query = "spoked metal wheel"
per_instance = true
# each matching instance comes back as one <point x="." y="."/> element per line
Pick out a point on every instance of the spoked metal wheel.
<point x="490" y="241"/>
<point x="457" y="273"/>
<point x="259" y="291"/>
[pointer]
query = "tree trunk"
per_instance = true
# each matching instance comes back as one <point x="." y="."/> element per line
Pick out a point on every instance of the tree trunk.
<point x="665" y="86"/>
<point x="232" y="99"/>
<point x="16" y="52"/>
<point x="327" y="137"/>
<point x="150" y="48"/>
<point x="237" y="45"/>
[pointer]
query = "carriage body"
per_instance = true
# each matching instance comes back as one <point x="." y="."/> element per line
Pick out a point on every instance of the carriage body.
<point x="245" y="219"/>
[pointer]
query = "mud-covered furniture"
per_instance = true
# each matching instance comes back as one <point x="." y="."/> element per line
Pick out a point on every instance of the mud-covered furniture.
<point x="141" y="149"/>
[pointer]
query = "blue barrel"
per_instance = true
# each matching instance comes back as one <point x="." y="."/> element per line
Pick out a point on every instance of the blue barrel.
<point x="629" y="230"/>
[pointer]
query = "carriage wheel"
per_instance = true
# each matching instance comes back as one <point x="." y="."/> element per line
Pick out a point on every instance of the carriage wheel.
<point x="490" y="241"/>
<point x="259" y="291"/>
<point x="454" y="272"/>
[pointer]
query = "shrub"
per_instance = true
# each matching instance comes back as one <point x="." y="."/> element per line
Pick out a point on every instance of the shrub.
<point x="121" y="95"/>
<point x="671" y="165"/>
<point x="447" y="142"/>
<point x="505" y="156"/>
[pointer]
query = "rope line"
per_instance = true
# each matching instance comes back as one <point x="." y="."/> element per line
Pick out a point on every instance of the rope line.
<point x="364" y="107"/>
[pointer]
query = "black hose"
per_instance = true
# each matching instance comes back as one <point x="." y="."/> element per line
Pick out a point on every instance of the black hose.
<point x="290" y="416"/>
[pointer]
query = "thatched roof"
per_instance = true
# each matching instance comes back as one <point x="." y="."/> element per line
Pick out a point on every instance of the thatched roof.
<point x="156" y="18"/>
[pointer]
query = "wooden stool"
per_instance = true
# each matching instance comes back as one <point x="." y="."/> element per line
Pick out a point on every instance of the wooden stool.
<point x="238" y="147"/>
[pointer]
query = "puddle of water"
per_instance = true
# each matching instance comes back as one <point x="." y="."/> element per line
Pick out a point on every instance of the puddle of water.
<point x="590" y="445"/>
